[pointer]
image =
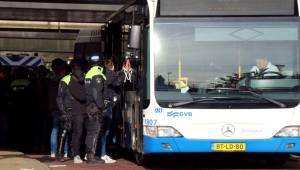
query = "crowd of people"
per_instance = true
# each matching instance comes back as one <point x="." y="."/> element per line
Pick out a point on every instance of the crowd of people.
<point x="42" y="109"/>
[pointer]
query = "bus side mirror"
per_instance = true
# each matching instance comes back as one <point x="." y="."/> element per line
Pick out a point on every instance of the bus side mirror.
<point x="134" y="36"/>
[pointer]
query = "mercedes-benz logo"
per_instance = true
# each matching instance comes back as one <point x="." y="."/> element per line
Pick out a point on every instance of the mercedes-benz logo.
<point x="228" y="130"/>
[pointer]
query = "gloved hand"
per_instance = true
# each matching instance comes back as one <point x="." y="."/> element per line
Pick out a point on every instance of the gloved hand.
<point x="66" y="121"/>
<point x="67" y="125"/>
<point x="92" y="115"/>
<point x="65" y="117"/>
<point x="96" y="116"/>
<point x="106" y="103"/>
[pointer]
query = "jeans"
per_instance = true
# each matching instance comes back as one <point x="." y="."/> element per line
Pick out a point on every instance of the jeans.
<point x="106" y="129"/>
<point x="54" y="134"/>
<point x="103" y="142"/>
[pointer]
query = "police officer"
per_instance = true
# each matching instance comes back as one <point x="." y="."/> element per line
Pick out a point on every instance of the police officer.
<point x="94" y="81"/>
<point x="71" y="100"/>
<point x="22" y="111"/>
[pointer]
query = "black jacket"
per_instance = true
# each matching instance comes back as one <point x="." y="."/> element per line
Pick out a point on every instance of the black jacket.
<point x="113" y="80"/>
<point x="94" y="83"/>
<point x="64" y="97"/>
<point x="78" y="96"/>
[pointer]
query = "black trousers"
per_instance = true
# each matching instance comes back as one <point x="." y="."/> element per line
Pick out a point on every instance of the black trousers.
<point x="77" y="128"/>
<point x="93" y="128"/>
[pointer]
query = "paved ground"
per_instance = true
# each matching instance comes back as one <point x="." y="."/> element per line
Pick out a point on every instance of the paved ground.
<point x="122" y="164"/>
<point x="236" y="162"/>
<point x="185" y="162"/>
<point x="10" y="160"/>
<point x="19" y="161"/>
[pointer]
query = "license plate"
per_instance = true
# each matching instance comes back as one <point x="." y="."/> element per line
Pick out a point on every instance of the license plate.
<point x="229" y="147"/>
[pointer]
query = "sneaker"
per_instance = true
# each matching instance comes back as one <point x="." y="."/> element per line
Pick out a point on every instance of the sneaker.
<point x="107" y="159"/>
<point x="294" y="157"/>
<point x="52" y="155"/>
<point x="77" y="160"/>
<point x="65" y="155"/>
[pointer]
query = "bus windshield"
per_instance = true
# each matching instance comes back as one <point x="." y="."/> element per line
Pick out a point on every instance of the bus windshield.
<point x="218" y="58"/>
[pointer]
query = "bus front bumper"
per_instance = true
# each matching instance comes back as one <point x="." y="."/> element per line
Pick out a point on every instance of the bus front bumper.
<point x="184" y="145"/>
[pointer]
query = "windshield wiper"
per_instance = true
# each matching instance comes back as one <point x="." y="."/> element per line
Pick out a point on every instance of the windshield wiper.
<point x="282" y="105"/>
<point x="253" y="93"/>
<point x="202" y="99"/>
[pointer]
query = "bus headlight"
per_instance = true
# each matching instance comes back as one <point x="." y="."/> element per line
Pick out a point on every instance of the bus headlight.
<point x="161" y="131"/>
<point x="289" y="131"/>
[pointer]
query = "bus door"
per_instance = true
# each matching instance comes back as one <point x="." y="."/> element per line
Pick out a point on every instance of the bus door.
<point x="132" y="108"/>
<point x="135" y="90"/>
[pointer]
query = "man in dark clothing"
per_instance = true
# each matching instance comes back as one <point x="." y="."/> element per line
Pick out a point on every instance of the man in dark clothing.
<point x="71" y="99"/>
<point x="78" y="105"/>
<point x="94" y="81"/>
<point x="59" y="71"/>
<point x="64" y="103"/>
<point x="113" y="80"/>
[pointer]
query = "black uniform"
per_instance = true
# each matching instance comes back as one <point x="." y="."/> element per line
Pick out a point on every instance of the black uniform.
<point x="65" y="106"/>
<point x="94" y="81"/>
<point x="22" y="113"/>
<point x="113" y="80"/>
<point x="78" y="105"/>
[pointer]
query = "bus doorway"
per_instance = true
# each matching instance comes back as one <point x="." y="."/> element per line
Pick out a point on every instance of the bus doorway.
<point x="124" y="40"/>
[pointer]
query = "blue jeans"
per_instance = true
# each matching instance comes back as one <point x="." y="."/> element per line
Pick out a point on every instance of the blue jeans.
<point x="103" y="142"/>
<point x="105" y="131"/>
<point x="54" y="134"/>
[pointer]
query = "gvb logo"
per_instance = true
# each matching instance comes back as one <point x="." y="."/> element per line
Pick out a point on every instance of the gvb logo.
<point x="179" y="114"/>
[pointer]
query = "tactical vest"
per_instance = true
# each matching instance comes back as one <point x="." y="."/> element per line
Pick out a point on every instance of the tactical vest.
<point x="66" y="79"/>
